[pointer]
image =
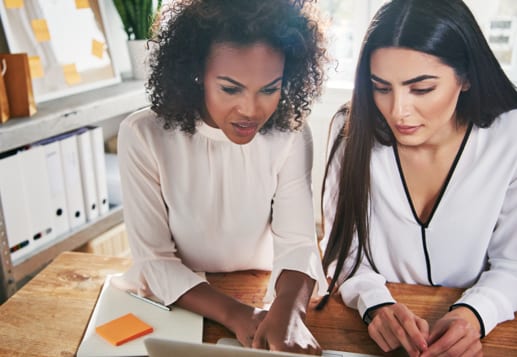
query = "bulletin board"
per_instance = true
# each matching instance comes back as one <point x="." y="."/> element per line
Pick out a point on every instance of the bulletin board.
<point x="66" y="43"/>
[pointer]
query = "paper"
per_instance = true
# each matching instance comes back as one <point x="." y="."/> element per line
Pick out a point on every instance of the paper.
<point x="82" y="4"/>
<point x="123" y="329"/>
<point x="40" y="29"/>
<point x="97" y="48"/>
<point x="13" y="4"/>
<point x="71" y="74"/>
<point x="35" y="67"/>
<point x="112" y="303"/>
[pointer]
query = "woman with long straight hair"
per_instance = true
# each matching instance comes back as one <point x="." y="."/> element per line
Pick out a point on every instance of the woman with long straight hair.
<point x="421" y="183"/>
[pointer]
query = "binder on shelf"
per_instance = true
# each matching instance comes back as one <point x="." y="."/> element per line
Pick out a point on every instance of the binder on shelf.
<point x="14" y="207"/>
<point x="84" y="145"/>
<point x="34" y="177"/>
<point x="57" y="187"/>
<point x="72" y="177"/>
<point x="99" y="163"/>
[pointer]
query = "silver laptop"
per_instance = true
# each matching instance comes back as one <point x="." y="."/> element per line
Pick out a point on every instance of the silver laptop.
<point x="157" y="347"/>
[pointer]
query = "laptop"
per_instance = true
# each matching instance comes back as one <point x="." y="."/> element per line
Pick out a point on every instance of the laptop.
<point x="157" y="347"/>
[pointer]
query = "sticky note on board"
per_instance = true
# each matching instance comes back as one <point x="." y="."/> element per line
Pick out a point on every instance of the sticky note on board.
<point x="35" y="67"/>
<point x="82" y="4"/>
<point x="40" y="29"/>
<point x="71" y="74"/>
<point x="97" y="48"/>
<point x="123" y="329"/>
<point x="13" y="4"/>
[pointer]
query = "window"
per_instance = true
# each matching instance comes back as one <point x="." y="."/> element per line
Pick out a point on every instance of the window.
<point x="348" y="20"/>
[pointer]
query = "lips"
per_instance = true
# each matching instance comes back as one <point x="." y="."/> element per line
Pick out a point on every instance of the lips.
<point x="407" y="129"/>
<point x="245" y="128"/>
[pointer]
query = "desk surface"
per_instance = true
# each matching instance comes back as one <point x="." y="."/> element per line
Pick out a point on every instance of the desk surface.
<point x="48" y="316"/>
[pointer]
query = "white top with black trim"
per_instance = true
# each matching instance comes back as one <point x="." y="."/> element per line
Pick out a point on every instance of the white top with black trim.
<point x="470" y="240"/>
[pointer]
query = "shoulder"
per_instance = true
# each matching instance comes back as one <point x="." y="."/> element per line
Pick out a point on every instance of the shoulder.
<point x="142" y="120"/>
<point x="507" y="120"/>
<point x="502" y="130"/>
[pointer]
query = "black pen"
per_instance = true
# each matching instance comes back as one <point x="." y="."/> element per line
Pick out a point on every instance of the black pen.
<point x="150" y="301"/>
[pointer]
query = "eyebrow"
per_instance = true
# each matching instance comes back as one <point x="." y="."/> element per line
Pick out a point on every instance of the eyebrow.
<point x="406" y="82"/>
<point x="225" y="78"/>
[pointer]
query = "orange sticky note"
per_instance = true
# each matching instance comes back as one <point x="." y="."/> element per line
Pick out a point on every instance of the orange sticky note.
<point x="13" y="4"/>
<point x="97" y="48"/>
<point x="123" y="329"/>
<point x="40" y="29"/>
<point x="35" y="67"/>
<point x="71" y="74"/>
<point x="82" y="4"/>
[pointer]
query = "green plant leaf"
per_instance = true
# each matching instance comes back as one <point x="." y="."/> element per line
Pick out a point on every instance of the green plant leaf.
<point x="137" y="16"/>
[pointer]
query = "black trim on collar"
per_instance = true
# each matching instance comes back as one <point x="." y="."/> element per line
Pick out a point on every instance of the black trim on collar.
<point x="424" y="225"/>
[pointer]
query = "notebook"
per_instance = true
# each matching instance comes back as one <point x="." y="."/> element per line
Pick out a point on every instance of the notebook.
<point x="157" y="347"/>
<point x="114" y="303"/>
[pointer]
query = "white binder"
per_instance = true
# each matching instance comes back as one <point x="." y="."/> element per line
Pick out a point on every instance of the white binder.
<point x="14" y="208"/>
<point x="34" y="176"/>
<point x="73" y="185"/>
<point x="57" y="187"/>
<point x="99" y="163"/>
<point x="84" y="146"/>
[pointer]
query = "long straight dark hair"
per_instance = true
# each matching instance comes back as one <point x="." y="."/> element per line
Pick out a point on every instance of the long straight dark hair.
<point x="442" y="28"/>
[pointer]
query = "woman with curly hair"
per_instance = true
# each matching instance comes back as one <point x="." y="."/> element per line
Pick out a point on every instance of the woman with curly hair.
<point x="216" y="174"/>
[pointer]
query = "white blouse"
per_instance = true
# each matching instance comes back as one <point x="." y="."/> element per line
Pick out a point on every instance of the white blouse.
<point x="470" y="240"/>
<point x="200" y="203"/>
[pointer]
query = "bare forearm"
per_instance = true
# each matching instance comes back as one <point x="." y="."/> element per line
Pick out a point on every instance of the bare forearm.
<point x="209" y="302"/>
<point x="240" y="318"/>
<point x="293" y="291"/>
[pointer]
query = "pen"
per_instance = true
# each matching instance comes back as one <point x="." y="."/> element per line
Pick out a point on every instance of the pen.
<point x="150" y="301"/>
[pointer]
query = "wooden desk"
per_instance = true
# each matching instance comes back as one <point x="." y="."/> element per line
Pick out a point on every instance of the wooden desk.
<point x="48" y="316"/>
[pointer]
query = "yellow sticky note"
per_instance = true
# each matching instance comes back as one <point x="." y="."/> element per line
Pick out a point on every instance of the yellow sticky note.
<point x="71" y="74"/>
<point x="40" y="29"/>
<point x="13" y="4"/>
<point x="82" y="4"/>
<point x="35" y="67"/>
<point x="97" y="48"/>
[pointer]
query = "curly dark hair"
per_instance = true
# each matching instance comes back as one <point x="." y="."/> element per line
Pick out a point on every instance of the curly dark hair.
<point x="186" y="30"/>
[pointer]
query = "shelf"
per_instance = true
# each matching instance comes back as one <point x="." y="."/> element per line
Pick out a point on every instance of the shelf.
<point x="52" y="118"/>
<point x="70" y="241"/>
<point x="72" y="112"/>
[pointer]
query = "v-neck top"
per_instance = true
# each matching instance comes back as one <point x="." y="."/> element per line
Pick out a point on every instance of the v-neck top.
<point x="201" y="203"/>
<point x="444" y="185"/>
<point x="470" y="239"/>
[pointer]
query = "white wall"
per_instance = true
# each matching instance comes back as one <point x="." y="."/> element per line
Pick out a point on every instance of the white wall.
<point x="319" y="120"/>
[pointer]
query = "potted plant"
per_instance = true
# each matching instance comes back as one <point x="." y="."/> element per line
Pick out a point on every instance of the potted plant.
<point x="137" y="18"/>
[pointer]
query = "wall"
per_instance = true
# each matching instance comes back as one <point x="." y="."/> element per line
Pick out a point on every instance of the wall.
<point x="319" y="120"/>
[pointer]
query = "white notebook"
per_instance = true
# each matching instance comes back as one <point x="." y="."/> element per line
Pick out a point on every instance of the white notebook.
<point x="112" y="303"/>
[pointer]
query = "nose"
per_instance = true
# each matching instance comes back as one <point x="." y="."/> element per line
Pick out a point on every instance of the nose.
<point x="247" y="106"/>
<point x="400" y="104"/>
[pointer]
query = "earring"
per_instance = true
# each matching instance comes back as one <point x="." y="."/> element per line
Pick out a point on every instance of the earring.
<point x="196" y="80"/>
